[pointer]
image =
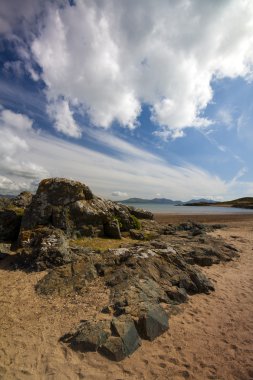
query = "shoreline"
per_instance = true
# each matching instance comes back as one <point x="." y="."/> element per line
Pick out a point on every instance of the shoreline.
<point x="165" y="218"/>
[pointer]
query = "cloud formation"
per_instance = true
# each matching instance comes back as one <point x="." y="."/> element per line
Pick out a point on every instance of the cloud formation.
<point x="64" y="122"/>
<point x="119" y="194"/>
<point x="26" y="156"/>
<point x="111" y="56"/>
<point x="17" y="173"/>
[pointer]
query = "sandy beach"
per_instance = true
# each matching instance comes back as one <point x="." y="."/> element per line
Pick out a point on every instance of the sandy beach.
<point x="210" y="337"/>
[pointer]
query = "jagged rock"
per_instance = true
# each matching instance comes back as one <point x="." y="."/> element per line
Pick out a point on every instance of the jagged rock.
<point x="209" y="255"/>
<point x="71" y="207"/>
<point x="44" y="248"/>
<point x="51" y="248"/>
<point x="127" y="339"/>
<point x="111" y="229"/>
<point x="129" y="296"/>
<point x="11" y="213"/>
<point x="114" y="339"/>
<point x="70" y="278"/>
<point x="114" y="349"/>
<point x="140" y="214"/>
<point x="160" y="245"/>
<point x="89" y="336"/>
<point x="176" y="295"/>
<point x="152" y="323"/>
<point x="22" y="200"/>
<point x="137" y="234"/>
<point x="10" y="222"/>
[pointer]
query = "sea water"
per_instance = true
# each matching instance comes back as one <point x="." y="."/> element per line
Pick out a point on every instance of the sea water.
<point x="172" y="209"/>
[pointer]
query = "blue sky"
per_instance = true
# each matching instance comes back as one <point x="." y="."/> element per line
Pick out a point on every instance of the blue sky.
<point x="133" y="98"/>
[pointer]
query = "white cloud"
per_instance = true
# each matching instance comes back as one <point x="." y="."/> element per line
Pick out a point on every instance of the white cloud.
<point x="119" y="145"/>
<point x="15" y="120"/>
<point x="16" y="173"/>
<point x="11" y="13"/>
<point x="8" y="186"/>
<point x="27" y="156"/>
<point x="112" y="56"/>
<point x="168" y="134"/>
<point x="225" y="117"/>
<point x="119" y="194"/>
<point x="137" y="176"/>
<point x="62" y="116"/>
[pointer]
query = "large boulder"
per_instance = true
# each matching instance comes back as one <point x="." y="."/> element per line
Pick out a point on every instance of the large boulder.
<point x="71" y="206"/>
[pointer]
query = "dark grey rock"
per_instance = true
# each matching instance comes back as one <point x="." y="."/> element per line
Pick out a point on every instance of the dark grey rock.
<point x="176" y="295"/>
<point x="10" y="222"/>
<point x="124" y="327"/>
<point x="67" y="279"/>
<point x="114" y="349"/>
<point x="89" y="336"/>
<point x="152" y="323"/>
<point x="111" y="229"/>
<point x="137" y="234"/>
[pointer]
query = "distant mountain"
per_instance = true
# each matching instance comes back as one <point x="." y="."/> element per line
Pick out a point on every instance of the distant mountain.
<point x="165" y="201"/>
<point x="201" y="200"/>
<point x="160" y="201"/>
<point x="246" y="202"/>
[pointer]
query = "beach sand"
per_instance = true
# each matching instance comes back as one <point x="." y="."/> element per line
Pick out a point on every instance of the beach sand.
<point x="210" y="337"/>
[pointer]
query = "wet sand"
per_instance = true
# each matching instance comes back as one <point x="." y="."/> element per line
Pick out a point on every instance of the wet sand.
<point x="210" y="337"/>
<point x="203" y="218"/>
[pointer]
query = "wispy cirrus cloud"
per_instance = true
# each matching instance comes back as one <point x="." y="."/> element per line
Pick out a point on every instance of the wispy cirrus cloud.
<point x="27" y="156"/>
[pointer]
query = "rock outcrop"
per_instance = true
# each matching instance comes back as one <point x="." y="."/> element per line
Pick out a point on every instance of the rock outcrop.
<point x="71" y="207"/>
<point x="11" y="213"/>
<point x="144" y="279"/>
<point x="139" y="279"/>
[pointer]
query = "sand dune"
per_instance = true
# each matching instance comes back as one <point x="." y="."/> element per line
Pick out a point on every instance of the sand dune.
<point x="210" y="337"/>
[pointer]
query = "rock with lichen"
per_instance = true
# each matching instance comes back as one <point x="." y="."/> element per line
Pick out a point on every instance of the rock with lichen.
<point x="73" y="208"/>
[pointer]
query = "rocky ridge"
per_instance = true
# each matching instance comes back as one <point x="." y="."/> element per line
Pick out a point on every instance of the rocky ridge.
<point x="145" y="278"/>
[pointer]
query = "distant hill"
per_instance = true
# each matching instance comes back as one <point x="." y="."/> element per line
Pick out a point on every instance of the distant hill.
<point x="164" y="201"/>
<point x="152" y="201"/>
<point x="201" y="200"/>
<point x="246" y="202"/>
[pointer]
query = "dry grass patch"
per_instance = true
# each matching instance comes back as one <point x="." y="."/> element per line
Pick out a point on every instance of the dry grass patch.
<point x="102" y="243"/>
